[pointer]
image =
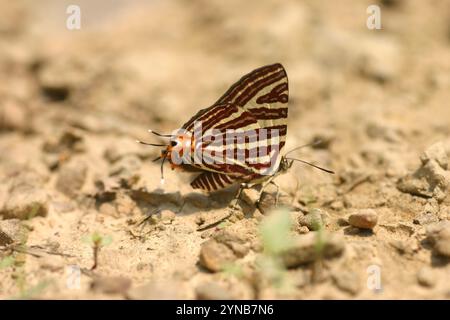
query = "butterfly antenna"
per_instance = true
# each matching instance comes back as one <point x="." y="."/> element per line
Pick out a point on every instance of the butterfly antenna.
<point x="312" y="165"/>
<point x="159" y="134"/>
<point x="162" y="170"/>
<point x="311" y="144"/>
<point x="151" y="144"/>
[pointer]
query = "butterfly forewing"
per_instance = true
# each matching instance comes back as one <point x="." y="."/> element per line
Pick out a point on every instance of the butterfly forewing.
<point x="255" y="107"/>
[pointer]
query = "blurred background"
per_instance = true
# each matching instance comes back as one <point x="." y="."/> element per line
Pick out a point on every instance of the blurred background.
<point x="72" y="103"/>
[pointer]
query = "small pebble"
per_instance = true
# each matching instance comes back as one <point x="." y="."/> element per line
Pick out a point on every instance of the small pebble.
<point x="155" y="290"/>
<point x="312" y="220"/>
<point x="303" y="229"/>
<point x="426" y="277"/>
<point x="439" y="235"/>
<point x="108" y="209"/>
<point x="347" y="281"/>
<point x="11" y="230"/>
<point x="71" y="178"/>
<point x="364" y="219"/>
<point x="305" y="248"/>
<point x="167" y="216"/>
<point x="337" y="205"/>
<point x="26" y="205"/>
<point x="211" y="291"/>
<point x="250" y="196"/>
<point x="214" y="256"/>
<point x="437" y="153"/>
<point x="111" y="285"/>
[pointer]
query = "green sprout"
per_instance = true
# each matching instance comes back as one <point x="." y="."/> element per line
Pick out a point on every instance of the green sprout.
<point x="275" y="232"/>
<point x="319" y="247"/>
<point x="320" y="240"/>
<point x="34" y="291"/>
<point x="276" y="238"/>
<point x="223" y="225"/>
<point x="7" y="262"/>
<point x="232" y="270"/>
<point x="35" y="208"/>
<point x="97" y="241"/>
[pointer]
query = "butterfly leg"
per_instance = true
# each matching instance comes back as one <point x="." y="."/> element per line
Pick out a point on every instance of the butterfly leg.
<point x="232" y="207"/>
<point x="277" y="195"/>
<point x="264" y="185"/>
<point x="235" y="201"/>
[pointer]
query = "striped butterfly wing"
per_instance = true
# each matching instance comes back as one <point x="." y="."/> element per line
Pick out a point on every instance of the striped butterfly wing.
<point x="255" y="106"/>
<point x="211" y="181"/>
<point x="264" y="92"/>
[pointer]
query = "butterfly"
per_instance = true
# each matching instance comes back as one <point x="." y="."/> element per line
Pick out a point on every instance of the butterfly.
<point x="239" y="139"/>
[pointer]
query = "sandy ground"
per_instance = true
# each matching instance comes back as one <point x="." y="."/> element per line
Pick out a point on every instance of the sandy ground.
<point x="72" y="178"/>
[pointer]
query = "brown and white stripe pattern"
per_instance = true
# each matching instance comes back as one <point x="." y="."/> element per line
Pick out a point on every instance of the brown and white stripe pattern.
<point x="257" y="101"/>
<point x="211" y="181"/>
<point x="262" y="89"/>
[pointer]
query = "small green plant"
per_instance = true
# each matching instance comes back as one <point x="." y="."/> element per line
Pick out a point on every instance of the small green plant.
<point x="320" y="240"/>
<point x="97" y="241"/>
<point x="275" y="232"/>
<point x="276" y="238"/>
<point x="18" y="260"/>
<point x="272" y="268"/>
<point x="34" y="210"/>
<point x="32" y="292"/>
<point x="7" y="262"/>
<point x="223" y="225"/>
<point x="232" y="270"/>
<point x="318" y="248"/>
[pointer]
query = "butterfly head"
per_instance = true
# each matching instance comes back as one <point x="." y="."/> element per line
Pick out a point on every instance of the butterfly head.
<point x="179" y="147"/>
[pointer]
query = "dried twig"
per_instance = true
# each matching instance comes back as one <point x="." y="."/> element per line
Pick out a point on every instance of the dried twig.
<point x="35" y="251"/>
<point x="357" y="182"/>
<point x="214" y="223"/>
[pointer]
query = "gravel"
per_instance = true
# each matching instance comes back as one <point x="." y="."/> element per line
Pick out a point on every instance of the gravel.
<point x="364" y="219"/>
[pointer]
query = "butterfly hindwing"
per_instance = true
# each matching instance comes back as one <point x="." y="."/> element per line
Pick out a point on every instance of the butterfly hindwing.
<point x="211" y="181"/>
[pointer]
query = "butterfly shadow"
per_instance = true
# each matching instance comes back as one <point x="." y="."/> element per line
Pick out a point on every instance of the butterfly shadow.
<point x="195" y="202"/>
<point x="362" y="233"/>
<point x="211" y="206"/>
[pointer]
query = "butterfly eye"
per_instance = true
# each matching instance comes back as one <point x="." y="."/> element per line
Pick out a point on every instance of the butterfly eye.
<point x="173" y="143"/>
